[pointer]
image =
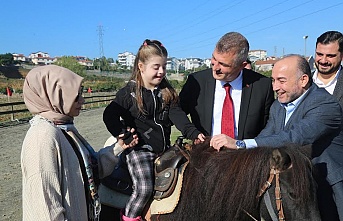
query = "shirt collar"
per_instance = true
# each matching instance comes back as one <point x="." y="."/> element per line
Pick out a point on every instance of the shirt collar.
<point x="237" y="83"/>
<point x="296" y="102"/>
<point x="319" y="82"/>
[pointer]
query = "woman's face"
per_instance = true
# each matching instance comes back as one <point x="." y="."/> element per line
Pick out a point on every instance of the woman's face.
<point x="76" y="108"/>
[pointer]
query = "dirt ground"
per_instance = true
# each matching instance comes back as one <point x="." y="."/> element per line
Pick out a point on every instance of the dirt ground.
<point x="89" y="124"/>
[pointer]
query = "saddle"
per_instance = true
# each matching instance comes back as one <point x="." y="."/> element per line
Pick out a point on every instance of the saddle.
<point x="166" y="169"/>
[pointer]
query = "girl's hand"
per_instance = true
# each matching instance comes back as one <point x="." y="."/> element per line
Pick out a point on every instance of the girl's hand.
<point x="200" y="139"/>
<point x="128" y="139"/>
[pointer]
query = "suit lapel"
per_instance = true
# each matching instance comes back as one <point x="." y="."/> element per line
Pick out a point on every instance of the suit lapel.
<point x="209" y="101"/>
<point x="338" y="91"/>
<point x="302" y="102"/>
<point x="245" y="101"/>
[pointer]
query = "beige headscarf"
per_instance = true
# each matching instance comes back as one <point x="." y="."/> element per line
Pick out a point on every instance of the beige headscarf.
<point x="50" y="91"/>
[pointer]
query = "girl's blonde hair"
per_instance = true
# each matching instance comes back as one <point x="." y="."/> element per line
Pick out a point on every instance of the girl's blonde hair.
<point x="148" y="49"/>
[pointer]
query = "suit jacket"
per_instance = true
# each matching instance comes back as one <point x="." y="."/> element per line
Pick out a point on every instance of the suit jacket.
<point x="338" y="91"/>
<point x="197" y="99"/>
<point x="317" y="120"/>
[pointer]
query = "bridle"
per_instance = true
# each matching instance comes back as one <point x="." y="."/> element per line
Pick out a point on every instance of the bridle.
<point x="280" y="216"/>
<point x="278" y="198"/>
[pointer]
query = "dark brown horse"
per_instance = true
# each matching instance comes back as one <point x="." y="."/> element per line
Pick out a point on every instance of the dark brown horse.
<point x="221" y="186"/>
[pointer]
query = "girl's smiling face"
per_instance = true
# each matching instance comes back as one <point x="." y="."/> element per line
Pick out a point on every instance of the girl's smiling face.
<point x="153" y="71"/>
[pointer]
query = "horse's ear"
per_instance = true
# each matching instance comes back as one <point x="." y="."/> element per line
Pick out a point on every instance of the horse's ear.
<point x="280" y="160"/>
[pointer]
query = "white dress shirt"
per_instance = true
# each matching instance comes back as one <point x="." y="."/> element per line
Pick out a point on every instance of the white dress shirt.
<point x="330" y="86"/>
<point x="219" y="96"/>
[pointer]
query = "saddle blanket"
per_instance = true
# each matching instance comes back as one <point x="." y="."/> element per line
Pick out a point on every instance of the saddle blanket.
<point x="168" y="204"/>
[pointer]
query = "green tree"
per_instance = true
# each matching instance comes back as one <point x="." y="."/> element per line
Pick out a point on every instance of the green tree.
<point x="6" y="59"/>
<point x="72" y="64"/>
<point x="110" y="60"/>
<point x="266" y="73"/>
<point x="202" y="67"/>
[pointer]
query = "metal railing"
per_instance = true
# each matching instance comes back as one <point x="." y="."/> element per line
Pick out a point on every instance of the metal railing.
<point x="13" y="109"/>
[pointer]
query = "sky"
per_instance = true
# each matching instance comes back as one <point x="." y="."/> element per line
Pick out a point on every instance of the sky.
<point x="187" y="28"/>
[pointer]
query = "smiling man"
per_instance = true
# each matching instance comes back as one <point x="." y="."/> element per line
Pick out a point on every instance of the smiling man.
<point x="305" y="114"/>
<point x="328" y="59"/>
<point x="228" y="100"/>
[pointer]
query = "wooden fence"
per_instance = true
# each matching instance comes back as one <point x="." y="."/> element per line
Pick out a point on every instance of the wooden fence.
<point x="16" y="111"/>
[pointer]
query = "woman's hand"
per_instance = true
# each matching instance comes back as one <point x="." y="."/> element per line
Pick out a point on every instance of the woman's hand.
<point x="200" y="139"/>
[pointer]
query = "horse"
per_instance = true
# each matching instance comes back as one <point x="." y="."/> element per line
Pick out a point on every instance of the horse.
<point x="247" y="184"/>
<point x="268" y="184"/>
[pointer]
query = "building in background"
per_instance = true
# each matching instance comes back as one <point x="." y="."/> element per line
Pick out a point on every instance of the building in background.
<point x="126" y="59"/>
<point x="41" y="58"/>
<point x="19" y="57"/>
<point x="84" y="61"/>
<point x="266" y="65"/>
<point x="255" y="55"/>
<point x="173" y="64"/>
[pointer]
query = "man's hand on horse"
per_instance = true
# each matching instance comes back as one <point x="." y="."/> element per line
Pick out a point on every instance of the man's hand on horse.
<point x="222" y="140"/>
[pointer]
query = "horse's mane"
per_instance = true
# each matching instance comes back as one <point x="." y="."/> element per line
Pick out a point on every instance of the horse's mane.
<point x="220" y="185"/>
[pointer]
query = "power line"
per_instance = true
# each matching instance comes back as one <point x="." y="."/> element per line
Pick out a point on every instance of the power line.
<point x="209" y="16"/>
<point x="279" y="13"/>
<point x="262" y="29"/>
<point x="287" y="10"/>
<point x="232" y="22"/>
<point x="284" y="22"/>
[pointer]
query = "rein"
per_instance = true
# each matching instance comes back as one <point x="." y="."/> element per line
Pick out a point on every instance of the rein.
<point x="274" y="173"/>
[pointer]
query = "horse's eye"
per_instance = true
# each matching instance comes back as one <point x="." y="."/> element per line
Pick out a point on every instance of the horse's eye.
<point x="291" y="196"/>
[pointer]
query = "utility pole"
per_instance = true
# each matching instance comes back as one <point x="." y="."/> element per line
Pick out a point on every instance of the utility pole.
<point x="100" y="34"/>
<point x="101" y="47"/>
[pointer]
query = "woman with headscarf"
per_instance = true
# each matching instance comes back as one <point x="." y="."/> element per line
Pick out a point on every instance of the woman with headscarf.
<point x="59" y="167"/>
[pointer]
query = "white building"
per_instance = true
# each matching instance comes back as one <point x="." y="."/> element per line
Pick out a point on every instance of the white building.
<point x="259" y="54"/>
<point x="192" y="63"/>
<point x="19" y="57"/>
<point x="173" y="64"/>
<point x="84" y="61"/>
<point x="126" y="59"/>
<point x="266" y="65"/>
<point x="41" y="58"/>
<point x="207" y="62"/>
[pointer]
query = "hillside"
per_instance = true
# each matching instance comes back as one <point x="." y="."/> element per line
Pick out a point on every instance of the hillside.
<point x="13" y="72"/>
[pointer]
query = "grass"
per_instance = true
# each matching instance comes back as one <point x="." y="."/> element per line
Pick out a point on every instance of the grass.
<point x="174" y="134"/>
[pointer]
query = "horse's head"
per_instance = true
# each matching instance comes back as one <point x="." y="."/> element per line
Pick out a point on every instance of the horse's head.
<point x="292" y="194"/>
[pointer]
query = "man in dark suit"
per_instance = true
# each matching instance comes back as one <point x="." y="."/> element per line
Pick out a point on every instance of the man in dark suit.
<point x="305" y="114"/>
<point x="328" y="59"/>
<point x="329" y="75"/>
<point x="203" y="94"/>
